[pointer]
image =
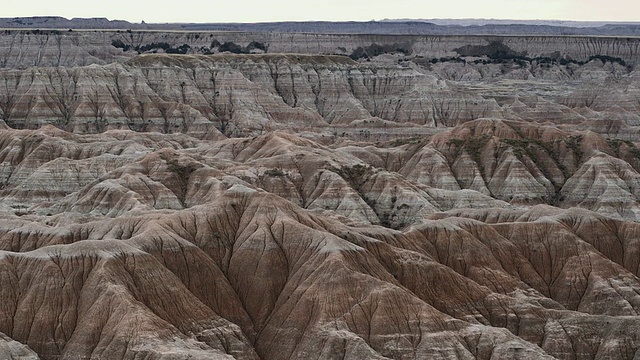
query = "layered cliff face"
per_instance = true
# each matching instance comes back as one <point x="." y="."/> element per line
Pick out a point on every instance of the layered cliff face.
<point x="235" y="94"/>
<point x="128" y="245"/>
<point x="24" y="48"/>
<point x="240" y="95"/>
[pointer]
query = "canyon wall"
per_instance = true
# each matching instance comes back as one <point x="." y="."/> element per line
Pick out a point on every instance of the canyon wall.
<point x="162" y="92"/>
<point x="24" y="48"/>
<point x="251" y="93"/>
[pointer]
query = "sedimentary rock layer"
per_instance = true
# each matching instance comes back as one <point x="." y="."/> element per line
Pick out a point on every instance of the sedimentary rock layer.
<point x="23" y="48"/>
<point x="483" y="163"/>
<point x="269" y="206"/>
<point x="251" y="275"/>
<point x="248" y="94"/>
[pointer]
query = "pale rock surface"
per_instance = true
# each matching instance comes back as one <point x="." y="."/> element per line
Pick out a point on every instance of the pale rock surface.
<point x="351" y="220"/>
<point x="606" y="185"/>
<point x="11" y="349"/>
<point x="23" y="48"/>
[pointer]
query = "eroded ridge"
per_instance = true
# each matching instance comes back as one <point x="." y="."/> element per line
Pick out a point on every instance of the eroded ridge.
<point x="126" y="244"/>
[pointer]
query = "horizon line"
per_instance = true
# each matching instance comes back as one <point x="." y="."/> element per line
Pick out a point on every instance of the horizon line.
<point x="328" y="21"/>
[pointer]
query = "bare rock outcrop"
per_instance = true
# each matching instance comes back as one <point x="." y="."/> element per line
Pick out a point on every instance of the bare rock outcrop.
<point x="453" y="288"/>
<point x="11" y="349"/>
<point x="23" y="48"/>
<point x="192" y="94"/>
<point x="268" y="206"/>
<point x="247" y="94"/>
<point x="486" y="163"/>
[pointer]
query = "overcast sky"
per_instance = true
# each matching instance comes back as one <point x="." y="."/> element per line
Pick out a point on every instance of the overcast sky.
<point x="363" y="10"/>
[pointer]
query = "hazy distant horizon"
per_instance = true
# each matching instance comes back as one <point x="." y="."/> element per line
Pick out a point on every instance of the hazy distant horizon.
<point x="438" y="21"/>
<point x="252" y="11"/>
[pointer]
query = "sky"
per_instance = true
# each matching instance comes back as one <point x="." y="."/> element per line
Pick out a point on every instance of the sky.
<point x="198" y="11"/>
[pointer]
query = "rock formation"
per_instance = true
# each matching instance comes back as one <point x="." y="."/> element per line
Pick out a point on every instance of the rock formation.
<point x="269" y="206"/>
<point x="163" y="245"/>
<point x="35" y="47"/>
<point x="241" y="95"/>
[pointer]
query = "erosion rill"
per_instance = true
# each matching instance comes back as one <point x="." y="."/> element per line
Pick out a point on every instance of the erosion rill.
<point x="210" y="195"/>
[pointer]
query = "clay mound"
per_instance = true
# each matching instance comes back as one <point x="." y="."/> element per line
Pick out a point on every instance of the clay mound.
<point x="139" y="322"/>
<point x="529" y="164"/>
<point x="482" y="163"/>
<point x="190" y="280"/>
<point x="606" y="185"/>
<point x="137" y="265"/>
<point x="275" y="245"/>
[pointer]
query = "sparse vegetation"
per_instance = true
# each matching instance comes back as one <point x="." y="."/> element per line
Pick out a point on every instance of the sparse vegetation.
<point x="355" y="175"/>
<point x="372" y="50"/>
<point x="120" y="45"/>
<point x="616" y="144"/>
<point x="97" y="106"/>
<point x="277" y="172"/>
<point x="499" y="53"/>
<point x="445" y="110"/>
<point x="528" y="147"/>
<point x="153" y="47"/>
<point x="7" y="100"/>
<point x="494" y="50"/>
<point x="473" y="146"/>
<point x="63" y="98"/>
<point x="403" y="141"/>
<point x="182" y="174"/>
<point x="635" y="152"/>
<point x="237" y="49"/>
<point x="575" y="144"/>
<point x="231" y="47"/>
<point x="256" y="45"/>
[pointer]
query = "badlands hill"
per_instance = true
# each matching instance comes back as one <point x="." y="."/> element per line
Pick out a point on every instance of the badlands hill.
<point x="472" y="199"/>
<point x="242" y="94"/>
<point x="129" y="245"/>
